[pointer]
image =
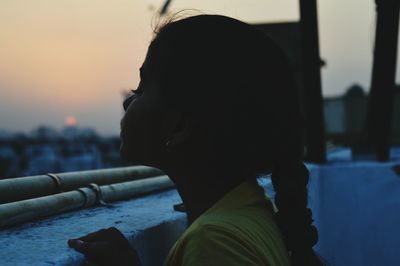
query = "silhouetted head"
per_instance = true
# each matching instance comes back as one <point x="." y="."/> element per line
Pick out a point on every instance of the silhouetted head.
<point x="233" y="88"/>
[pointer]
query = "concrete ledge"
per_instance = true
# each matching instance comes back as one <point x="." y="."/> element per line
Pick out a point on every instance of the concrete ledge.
<point x="143" y="221"/>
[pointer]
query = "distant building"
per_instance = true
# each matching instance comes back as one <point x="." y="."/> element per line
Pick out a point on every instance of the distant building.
<point x="9" y="161"/>
<point x="346" y="114"/>
<point x="6" y="135"/>
<point x="80" y="156"/>
<point x="46" y="150"/>
<point x="44" y="133"/>
<point x="73" y="132"/>
<point x="41" y="159"/>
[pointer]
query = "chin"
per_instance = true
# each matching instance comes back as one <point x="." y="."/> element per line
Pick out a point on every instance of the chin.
<point x="136" y="154"/>
<point x="130" y="157"/>
<point x="125" y="154"/>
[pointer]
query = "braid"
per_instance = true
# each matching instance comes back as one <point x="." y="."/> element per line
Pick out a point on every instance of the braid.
<point x="293" y="217"/>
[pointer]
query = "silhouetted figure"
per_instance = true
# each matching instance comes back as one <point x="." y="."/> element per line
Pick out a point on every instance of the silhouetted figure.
<point x="216" y="107"/>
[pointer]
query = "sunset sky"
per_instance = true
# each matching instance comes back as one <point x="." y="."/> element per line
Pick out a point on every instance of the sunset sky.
<point x="73" y="58"/>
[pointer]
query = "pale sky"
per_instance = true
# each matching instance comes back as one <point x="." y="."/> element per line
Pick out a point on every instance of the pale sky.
<point x="62" y="58"/>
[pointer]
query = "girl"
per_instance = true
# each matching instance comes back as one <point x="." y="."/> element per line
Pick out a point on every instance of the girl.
<point x="216" y="107"/>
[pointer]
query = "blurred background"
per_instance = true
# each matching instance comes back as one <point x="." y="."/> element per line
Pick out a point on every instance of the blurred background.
<point x="66" y="66"/>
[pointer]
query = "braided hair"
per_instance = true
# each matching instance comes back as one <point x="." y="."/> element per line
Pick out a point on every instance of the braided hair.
<point x="209" y="65"/>
<point x="293" y="217"/>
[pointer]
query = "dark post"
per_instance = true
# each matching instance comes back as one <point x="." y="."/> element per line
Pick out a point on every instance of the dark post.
<point x="315" y="131"/>
<point x="381" y="97"/>
<point x="164" y="8"/>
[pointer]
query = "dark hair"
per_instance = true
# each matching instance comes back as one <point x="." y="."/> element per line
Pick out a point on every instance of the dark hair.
<point x="211" y="65"/>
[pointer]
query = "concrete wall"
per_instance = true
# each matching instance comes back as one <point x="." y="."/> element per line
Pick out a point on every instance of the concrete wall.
<point x="356" y="208"/>
<point x="359" y="214"/>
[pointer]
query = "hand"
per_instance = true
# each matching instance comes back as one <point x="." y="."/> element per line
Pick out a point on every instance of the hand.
<point x="106" y="247"/>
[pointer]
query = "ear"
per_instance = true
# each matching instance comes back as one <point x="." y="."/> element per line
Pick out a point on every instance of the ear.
<point x="178" y="129"/>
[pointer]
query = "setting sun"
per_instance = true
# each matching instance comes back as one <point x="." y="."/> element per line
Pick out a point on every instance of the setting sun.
<point x="70" y="121"/>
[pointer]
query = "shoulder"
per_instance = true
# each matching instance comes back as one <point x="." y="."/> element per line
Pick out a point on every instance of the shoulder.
<point x="213" y="244"/>
<point x="215" y="233"/>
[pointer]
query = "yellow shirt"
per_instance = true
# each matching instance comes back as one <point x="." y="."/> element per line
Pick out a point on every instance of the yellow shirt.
<point x="237" y="230"/>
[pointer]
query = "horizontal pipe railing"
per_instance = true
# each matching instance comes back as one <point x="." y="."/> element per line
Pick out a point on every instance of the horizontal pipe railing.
<point x="27" y="210"/>
<point x="22" y="188"/>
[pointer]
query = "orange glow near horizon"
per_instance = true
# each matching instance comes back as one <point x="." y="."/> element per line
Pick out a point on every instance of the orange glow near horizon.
<point x="70" y="121"/>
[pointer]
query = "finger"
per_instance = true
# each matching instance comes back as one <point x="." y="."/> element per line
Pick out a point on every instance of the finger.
<point x="114" y="231"/>
<point x="95" y="236"/>
<point x="115" y="235"/>
<point x="99" y="253"/>
<point x="74" y="243"/>
<point x="108" y="234"/>
<point x="91" y="249"/>
<point x="82" y="246"/>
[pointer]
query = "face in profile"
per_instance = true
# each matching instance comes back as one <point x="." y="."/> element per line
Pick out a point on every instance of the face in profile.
<point x="141" y="125"/>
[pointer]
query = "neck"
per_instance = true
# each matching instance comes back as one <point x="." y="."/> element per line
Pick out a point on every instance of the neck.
<point x="200" y="191"/>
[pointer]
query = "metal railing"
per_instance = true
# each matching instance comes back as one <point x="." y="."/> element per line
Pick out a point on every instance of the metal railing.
<point x="28" y="198"/>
